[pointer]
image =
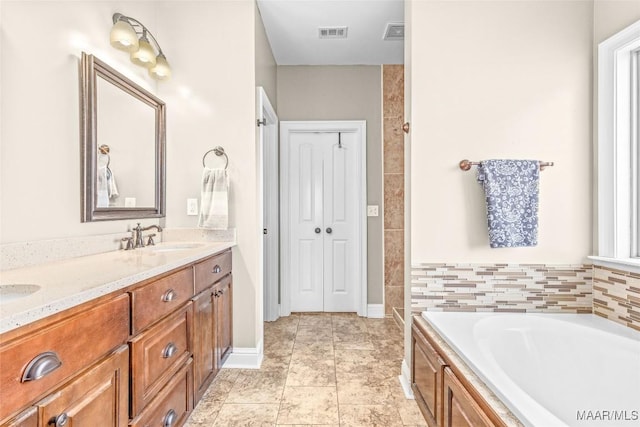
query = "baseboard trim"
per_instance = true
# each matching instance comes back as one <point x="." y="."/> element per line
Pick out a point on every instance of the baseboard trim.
<point x="405" y="380"/>
<point x="375" y="311"/>
<point x="245" y="358"/>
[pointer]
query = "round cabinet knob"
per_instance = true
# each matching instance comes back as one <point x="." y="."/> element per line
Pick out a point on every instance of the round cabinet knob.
<point x="329" y="230"/>
<point x="60" y="420"/>
<point x="318" y="230"/>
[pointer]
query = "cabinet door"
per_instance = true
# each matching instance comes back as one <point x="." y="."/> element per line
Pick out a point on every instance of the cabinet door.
<point x="99" y="397"/>
<point x="427" y="378"/>
<point x="204" y="363"/>
<point x="460" y="409"/>
<point x="222" y="292"/>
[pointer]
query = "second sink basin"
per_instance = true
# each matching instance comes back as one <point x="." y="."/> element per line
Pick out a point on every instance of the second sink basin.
<point x="13" y="292"/>
<point x="172" y="247"/>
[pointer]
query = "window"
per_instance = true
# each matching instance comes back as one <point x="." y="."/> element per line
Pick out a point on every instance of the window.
<point x="619" y="147"/>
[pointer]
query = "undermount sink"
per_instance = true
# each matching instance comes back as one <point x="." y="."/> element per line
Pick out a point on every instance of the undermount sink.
<point x="17" y="291"/>
<point x="172" y="247"/>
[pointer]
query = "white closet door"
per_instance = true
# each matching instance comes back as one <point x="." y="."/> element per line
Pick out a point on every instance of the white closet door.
<point x="306" y="212"/>
<point x="340" y="223"/>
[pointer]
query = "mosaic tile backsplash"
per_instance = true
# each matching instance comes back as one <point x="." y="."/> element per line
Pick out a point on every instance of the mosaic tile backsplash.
<point x="502" y="287"/>
<point x="616" y="296"/>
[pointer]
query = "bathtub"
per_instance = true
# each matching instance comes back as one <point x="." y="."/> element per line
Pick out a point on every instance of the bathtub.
<point x="551" y="369"/>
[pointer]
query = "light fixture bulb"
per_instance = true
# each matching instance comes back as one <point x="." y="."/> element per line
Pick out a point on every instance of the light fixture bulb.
<point x="162" y="70"/>
<point x="124" y="37"/>
<point x="144" y="56"/>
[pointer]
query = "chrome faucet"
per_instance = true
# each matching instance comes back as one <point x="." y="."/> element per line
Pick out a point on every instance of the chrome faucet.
<point x="138" y="239"/>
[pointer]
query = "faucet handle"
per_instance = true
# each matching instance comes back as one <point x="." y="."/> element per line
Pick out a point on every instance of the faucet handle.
<point x="150" y="241"/>
<point x="129" y="241"/>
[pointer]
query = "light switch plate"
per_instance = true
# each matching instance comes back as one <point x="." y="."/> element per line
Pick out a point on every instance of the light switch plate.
<point x="192" y="207"/>
<point x="372" y="210"/>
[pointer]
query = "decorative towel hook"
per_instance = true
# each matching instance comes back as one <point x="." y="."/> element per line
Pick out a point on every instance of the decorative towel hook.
<point x="218" y="151"/>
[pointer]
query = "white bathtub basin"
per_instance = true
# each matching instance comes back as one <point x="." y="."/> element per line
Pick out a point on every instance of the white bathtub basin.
<point x="551" y="369"/>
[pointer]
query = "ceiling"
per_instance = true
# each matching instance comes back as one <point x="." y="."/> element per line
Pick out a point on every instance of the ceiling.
<point x="292" y="28"/>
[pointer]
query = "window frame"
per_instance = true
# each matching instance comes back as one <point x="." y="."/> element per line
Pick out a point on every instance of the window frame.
<point x="618" y="161"/>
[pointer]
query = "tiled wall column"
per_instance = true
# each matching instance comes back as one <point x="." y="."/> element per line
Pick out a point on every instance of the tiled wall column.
<point x="393" y="167"/>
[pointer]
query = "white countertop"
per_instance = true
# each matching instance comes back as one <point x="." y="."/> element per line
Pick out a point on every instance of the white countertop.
<point x="65" y="284"/>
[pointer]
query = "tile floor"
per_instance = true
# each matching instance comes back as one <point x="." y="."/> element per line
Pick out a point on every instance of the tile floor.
<point x="318" y="369"/>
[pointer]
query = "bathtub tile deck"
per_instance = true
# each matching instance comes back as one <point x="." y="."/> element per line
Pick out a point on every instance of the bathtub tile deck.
<point x="318" y="369"/>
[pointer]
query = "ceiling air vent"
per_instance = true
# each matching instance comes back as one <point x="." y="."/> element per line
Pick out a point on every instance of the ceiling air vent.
<point x="394" y="32"/>
<point x="332" y="32"/>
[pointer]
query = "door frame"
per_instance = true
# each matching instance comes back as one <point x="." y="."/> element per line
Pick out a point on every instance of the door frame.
<point x="268" y="128"/>
<point x="358" y="127"/>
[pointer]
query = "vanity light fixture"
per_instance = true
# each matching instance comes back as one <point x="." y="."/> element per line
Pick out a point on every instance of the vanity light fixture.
<point x="130" y="35"/>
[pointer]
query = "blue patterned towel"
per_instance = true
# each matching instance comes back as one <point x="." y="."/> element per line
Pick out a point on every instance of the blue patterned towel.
<point x="511" y="191"/>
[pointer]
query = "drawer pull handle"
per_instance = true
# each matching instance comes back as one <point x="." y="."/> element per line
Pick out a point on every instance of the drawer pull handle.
<point x="169" y="350"/>
<point x="169" y="296"/>
<point x="41" y="365"/>
<point x="217" y="269"/>
<point x="170" y="418"/>
<point x="59" y="421"/>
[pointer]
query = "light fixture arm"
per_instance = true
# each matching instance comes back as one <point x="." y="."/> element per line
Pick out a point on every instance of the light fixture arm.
<point x="139" y="28"/>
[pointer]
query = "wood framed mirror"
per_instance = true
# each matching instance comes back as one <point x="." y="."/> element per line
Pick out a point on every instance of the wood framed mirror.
<point x="122" y="137"/>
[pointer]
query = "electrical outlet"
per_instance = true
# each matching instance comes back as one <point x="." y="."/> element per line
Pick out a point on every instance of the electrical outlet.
<point x="372" y="210"/>
<point x="129" y="202"/>
<point x="192" y="206"/>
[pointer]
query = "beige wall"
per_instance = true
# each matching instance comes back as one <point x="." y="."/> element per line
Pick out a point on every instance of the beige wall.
<point x="210" y="102"/>
<point x="266" y="67"/>
<point x="611" y="16"/>
<point x="343" y="93"/>
<point x="497" y="79"/>
<point x="41" y="43"/>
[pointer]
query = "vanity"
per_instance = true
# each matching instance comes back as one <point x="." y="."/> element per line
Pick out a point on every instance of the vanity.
<point x="121" y="338"/>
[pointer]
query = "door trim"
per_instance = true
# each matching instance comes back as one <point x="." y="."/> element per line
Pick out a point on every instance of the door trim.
<point x="269" y="163"/>
<point x="287" y="127"/>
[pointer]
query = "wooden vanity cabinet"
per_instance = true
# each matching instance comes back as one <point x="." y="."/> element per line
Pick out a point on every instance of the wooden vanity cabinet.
<point x="445" y="398"/>
<point x="212" y="319"/>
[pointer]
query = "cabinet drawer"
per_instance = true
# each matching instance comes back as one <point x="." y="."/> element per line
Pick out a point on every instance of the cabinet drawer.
<point x="28" y="418"/>
<point x="77" y="342"/>
<point x="211" y="270"/>
<point x="157" y="354"/>
<point x="155" y="300"/>
<point x="174" y="402"/>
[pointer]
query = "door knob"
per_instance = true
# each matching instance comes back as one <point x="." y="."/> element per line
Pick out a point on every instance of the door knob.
<point x="329" y="230"/>
<point x="318" y="230"/>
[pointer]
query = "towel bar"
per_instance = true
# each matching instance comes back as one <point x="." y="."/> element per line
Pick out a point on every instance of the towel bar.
<point x="219" y="151"/>
<point x="465" y="164"/>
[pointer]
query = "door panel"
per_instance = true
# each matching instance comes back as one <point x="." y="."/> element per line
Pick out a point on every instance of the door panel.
<point x="340" y="215"/>
<point x="306" y="215"/>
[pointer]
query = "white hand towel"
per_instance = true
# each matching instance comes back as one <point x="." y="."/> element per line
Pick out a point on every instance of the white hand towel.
<point x="102" y="191"/>
<point x="112" y="188"/>
<point x="214" y="204"/>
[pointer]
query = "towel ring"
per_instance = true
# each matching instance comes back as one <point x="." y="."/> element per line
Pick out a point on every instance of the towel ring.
<point x="218" y="151"/>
